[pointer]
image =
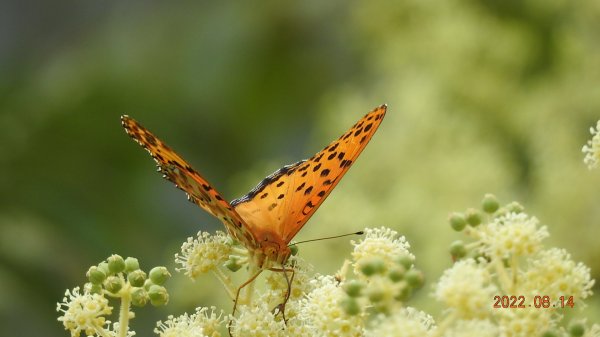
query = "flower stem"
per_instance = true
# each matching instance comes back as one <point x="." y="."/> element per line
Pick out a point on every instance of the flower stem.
<point x="225" y="281"/>
<point x="124" y="312"/>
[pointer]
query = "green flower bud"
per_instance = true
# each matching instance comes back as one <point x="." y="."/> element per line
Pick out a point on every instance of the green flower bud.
<point x="550" y="333"/>
<point x="406" y="261"/>
<point x="159" y="275"/>
<point x="473" y="217"/>
<point x="576" y="329"/>
<point x="350" y="306"/>
<point x="458" y="249"/>
<point x="457" y="221"/>
<point x="490" y="203"/>
<point x="147" y="284"/>
<point x="116" y="264"/>
<point x="353" y="288"/>
<point x="136" y="278"/>
<point x="515" y="207"/>
<point x="396" y="274"/>
<point x="382" y="307"/>
<point x="104" y="267"/>
<point x="372" y="266"/>
<point x="131" y="264"/>
<point x="294" y="250"/>
<point x="95" y="275"/>
<point x="158" y="295"/>
<point x="232" y="264"/>
<point x="139" y="297"/>
<point x="95" y="289"/>
<point x="404" y="294"/>
<point x="113" y="284"/>
<point x="414" y="278"/>
<point x="375" y="295"/>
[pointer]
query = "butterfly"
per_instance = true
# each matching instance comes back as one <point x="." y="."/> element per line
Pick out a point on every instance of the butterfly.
<point x="267" y="218"/>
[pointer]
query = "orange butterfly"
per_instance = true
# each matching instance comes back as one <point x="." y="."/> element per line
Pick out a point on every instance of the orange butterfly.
<point x="267" y="218"/>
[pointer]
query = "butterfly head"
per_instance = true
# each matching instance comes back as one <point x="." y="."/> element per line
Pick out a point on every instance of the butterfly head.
<point x="274" y="249"/>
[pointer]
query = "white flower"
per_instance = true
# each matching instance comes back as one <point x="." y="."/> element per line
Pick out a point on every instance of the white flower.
<point x="513" y="234"/>
<point x="257" y="321"/>
<point x="380" y="243"/>
<point x="472" y="328"/>
<point x="278" y="286"/>
<point x="592" y="148"/>
<point x="467" y="289"/>
<point x="524" y="322"/>
<point x="84" y="313"/>
<point x="553" y="272"/>
<point x="203" y="254"/>
<point x="407" y="322"/>
<point x="203" y="323"/>
<point x="184" y="326"/>
<point x="322" y="312"/>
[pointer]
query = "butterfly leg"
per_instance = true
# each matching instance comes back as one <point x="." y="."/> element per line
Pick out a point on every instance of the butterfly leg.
<point x="289" y="280"/>
<point x="237" y="296"/>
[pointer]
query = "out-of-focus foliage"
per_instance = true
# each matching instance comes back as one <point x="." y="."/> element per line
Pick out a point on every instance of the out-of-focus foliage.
<point x="484" y="96"/>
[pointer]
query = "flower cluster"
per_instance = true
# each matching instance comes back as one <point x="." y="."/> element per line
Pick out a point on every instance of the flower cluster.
<point x="592" y="148"/>
<point x="117" y="278"/>
<point x="368" y="296"/>
<point x="205" y="322"/>
<point x="204" y="253"/>
<point x="507" y="258"/>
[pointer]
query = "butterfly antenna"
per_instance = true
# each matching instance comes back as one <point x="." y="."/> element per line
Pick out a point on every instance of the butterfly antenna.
<point x="328" y="237"/>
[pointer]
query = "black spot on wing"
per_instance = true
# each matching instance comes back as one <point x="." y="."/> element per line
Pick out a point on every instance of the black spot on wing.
<point x="288" y="169"/>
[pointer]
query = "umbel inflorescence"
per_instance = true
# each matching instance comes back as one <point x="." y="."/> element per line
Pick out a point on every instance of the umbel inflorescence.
<point x="502" y="257"/>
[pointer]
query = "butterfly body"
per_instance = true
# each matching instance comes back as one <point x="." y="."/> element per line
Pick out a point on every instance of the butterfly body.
<point x="267" y="218"/>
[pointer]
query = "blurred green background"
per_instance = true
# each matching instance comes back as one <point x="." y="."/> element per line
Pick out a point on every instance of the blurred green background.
<point x="484" y="96"/>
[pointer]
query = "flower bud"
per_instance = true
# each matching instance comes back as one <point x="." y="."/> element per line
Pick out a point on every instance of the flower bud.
<point x="353" y="288"/>
<point x="113" y="284"/>
<point x="232" y="264"/>
<point x="576" y="329"/>
<point x="405" y="261"/>
<point x="139" y="297"/>
<point x="457" y="221"/>
<point x="116" y="264"/>
<point x="372" y="266"/>
<point x="136" y="278"/>
<point x="490" y="203"/>
<point x="104" y="267"/>
<point x="95" y="275"/>
<point x="131" y="264"/>
<point x="396" y="274"/>
<point x="159" y="275"/>
<point x="375" y="295"/>
<point x="403" y="294"/>
<point x="158" y="295"/>
<point x="458" y="249"/>
<point x="473" y="217"/>
<point x="350" y="306"/>
<point x="95" y="289"/>
<point x="414" y="278"/>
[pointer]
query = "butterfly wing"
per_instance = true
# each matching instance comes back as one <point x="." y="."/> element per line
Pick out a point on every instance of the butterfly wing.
<point x="199" y="191"/>
<point x="285" y="200"/>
